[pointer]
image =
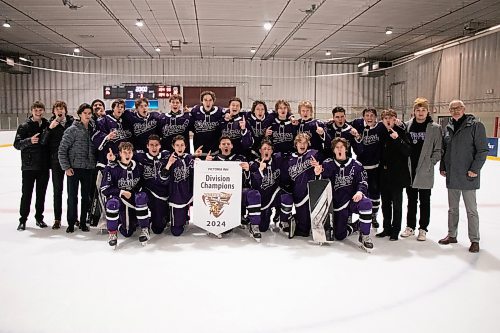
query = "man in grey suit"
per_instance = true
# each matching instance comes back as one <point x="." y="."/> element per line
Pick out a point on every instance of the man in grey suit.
<point x="465" y="149"/>
<point x="425" y="140"/>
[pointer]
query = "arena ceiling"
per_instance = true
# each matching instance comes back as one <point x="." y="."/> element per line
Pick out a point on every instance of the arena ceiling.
<point x="301" y="29"/>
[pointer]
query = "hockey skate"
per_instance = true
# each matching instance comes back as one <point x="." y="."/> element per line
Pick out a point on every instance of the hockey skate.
<point x="255" y="232"/>
<point x="365" y="243"/>
<point x="244" y="222"/>
<point x="144" y="236"/>
<point x="113" y="239"/>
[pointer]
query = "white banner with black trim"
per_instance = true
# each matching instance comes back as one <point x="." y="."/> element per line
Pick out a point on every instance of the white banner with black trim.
<point x="217" y="195"/>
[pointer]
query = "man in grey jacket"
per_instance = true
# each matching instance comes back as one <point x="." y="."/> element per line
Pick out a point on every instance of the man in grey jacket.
<point x="465" y="149"/>
<point x="77" y="158"/>
<point x="425" y="140"/>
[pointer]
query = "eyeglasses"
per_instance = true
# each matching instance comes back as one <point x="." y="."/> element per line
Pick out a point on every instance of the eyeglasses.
<point x="456" y="108"/>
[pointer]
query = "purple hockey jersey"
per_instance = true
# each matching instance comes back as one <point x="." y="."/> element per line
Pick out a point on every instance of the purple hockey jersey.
<point x="118" y="177"/>
<point x="180" y="182"/>
<point x="370" y="138"/>
<point x="283" y="135"/>
<point x="267" y="182"/>
<point x="242" y="140"/>
<point x="206" y="127"/>
<point x="310" y="126"/>
<point x="173" y="124"/>
<point x="104" y="126"/>
<point x="152" y="166"/>
<point x="334" y="132"/>
<point x="142" y="127"/>
<point x="296" y="173"/>
<point x="347" y="178"/>
<point x="258" y="129"/>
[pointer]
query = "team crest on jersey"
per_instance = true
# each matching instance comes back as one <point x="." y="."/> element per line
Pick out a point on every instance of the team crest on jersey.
<point x="216" y="202"/>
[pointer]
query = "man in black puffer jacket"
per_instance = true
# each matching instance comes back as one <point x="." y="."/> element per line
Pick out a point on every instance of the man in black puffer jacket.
<point x="59" y="122"/>
<point x="35" y="164"/>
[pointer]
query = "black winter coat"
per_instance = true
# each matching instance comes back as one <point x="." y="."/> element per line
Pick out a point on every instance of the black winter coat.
<point x="33" y="156"/>
<point x="52" y="139"/>
<point x="394" y="169"/>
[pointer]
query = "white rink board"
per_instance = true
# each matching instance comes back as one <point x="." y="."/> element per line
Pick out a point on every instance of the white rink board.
<point x="217" y="195"/>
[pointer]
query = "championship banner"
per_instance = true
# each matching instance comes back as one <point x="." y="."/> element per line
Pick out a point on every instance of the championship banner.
<point x="217" y="195"/>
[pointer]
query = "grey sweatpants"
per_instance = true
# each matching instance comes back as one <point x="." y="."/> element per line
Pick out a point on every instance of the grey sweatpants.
<point x="471" y="209"/>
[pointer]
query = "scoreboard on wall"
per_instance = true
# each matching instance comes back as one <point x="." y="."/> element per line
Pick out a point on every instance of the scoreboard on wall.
<point x="150" y="91"/>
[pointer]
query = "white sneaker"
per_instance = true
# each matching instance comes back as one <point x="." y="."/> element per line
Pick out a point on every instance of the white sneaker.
<point x="422" y="235"/>
<point x="408" y="232"/>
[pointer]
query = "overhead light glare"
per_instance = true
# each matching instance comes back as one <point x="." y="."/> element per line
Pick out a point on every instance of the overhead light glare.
<point x="76" y="50"/>
<point x="361" y="64"/>
<point x="430" y="49"/>
<point x="268" y="26"/>
<point x="388" y="31"/>
<point x="328" y="53"/>
<point x="494" y="27"/>
<point x="253" y="50"/>
<point x="6" y="24"/>
<point x="157" y="49"/>
<point x="139" y="23"/>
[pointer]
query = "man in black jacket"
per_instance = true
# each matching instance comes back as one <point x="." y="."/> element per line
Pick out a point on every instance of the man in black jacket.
<point x="394" y="174"/>
<point x="35" y="164"/>
<point x="59" y="122"/>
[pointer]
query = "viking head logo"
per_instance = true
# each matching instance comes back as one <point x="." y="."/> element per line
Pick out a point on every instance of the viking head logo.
<point x="216" y="202"/>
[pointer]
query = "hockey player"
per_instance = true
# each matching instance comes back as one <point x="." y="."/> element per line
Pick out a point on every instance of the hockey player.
<point x="234" y="125"/>
<point x="313" y="127"/>
<point x="282" y="132"/>
<point x="394" y="174"/>
<point x="250" y="198"/>
<point x="350" y="186"/>
<point x="173" y="123"/>
<point x="126" y="203"/>
<point x="372" y="130"/>
<point x="205" y="122"/>
<point x="110" y="132"/>
<point x="339" y="128"/>
<point x="98" y="109"/>
<point x="265" y="177"/>
<point x="179" y="169"/>
<point x="142" y="122"/>
<point x="259" y="119"/>
<point x="155" y="185"/>
<point x="296" y="173"/>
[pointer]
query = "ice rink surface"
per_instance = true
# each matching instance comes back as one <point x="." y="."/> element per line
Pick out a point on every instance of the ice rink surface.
<point x="51" y="281"/>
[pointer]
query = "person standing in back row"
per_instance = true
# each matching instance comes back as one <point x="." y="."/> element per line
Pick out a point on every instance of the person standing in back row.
<point x="35" y="164"/>
<point x="464" y="152"/>
<point x="425" y="140"/>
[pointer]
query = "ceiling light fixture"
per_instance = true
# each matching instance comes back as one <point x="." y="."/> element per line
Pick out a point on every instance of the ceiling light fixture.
<point x="157" y="49"/>
<point x="6" y="24"/>
<point x="253" y="50"/>
<point x="328" y="53"/>
<point x="388" y="31"/>
<point x="268" y="26"/>
<point x="76" y="50"/>
<point x="139" y="23"/>
<point x="361" y="64"/>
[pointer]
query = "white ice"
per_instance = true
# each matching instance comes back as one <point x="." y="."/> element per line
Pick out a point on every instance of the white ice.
<point x="51" y="281"/>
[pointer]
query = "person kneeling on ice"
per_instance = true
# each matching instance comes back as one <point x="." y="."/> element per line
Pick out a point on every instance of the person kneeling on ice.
<point x="296" y="173"/>
<point x="126" y="203"/>
<point x="250" y="198"/>
<point x="350" y="187"/>
<point x="179" y="169"/>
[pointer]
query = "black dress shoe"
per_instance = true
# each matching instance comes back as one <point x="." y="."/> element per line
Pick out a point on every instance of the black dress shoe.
<point x="21" y="226"/>
<point x="83" y="227"/>
<point x="382" y="234"/>
<point x="41" y="224"/>
<point x="70" y="228"/>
